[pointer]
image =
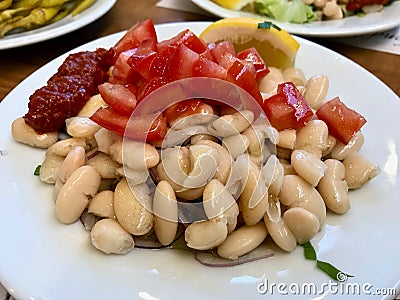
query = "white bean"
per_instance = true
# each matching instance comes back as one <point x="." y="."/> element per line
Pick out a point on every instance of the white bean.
<point x="165" y="209"/>
<point x="63" y="147"/>
<point x="105" y="165"/>
<point x="358" y="171"/>
<point x="93" y="104"/>
<point x="287" y="138"/>
<point x="269" y="83"/>
<point x="296" y="192"/>
<point x="242" y="241"/>
<point x="132" y="206"/>
<point x="303" y="224"/>
<point x="232" y="124"/>
<point x="225" y="161"/>
<point x="218" y="202"/>
<point x="50" y="167"/>
<point x="313" y="137"/>
<point x="316" y="90"/>
<point x="25" y="134"/>
<point x="333" y="188"/>
<point x="75" y="194"/>
<point x="208" y="234"/>
<point x="102" y="204"/>
<point x="294" y="75"/>
<point x="108" y="236"/>
<point x="236" y="144"/>
<point x="340" y="151"/>
<point x="79" y="127"/>
<point x="308" y="166"/>
<point x="253" y="200"/>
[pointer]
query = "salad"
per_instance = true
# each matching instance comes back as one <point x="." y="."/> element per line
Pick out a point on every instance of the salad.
<point x="180" y="140"/>
<point x="305" y="11"/>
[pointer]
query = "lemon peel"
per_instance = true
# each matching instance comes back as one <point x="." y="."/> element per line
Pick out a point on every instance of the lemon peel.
<point x="276" y="46"/>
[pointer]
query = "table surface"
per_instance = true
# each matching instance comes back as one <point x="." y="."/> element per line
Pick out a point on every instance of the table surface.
<point x="17" y="64"/>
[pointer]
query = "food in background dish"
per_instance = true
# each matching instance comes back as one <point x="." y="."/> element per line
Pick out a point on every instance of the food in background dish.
<point x="20" y="15"/>
<point x="304" y="11"/>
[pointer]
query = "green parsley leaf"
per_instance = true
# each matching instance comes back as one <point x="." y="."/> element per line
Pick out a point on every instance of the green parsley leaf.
<point x="332" y="271"/>
<point x="327" y="268"/>
<point x="268" y="25"/>
<point x="309" y="251"/>
<point x="37" y="170"/>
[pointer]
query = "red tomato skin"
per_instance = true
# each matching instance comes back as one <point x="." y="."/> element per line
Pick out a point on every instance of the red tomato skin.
<point x="182" y="63"/>
<point x="220" y="49"/>
<point x="342" y="121"/>
<point x="143" y="57"/>
<point x="251" y="55"/>
<point x="240" y="75"/>
<point x="135" y="128"/>
<point x="151" y="86"/>
<point x="183" y="109"/>
<point x="187" y="38"/>
<point x="161" y="61"/>
<point x="119" y="97"/>
<point x="207" y="68"/>
<point x="135" y="35"/>
<point x="287" y="109"/>
<point x="122" y="72"/>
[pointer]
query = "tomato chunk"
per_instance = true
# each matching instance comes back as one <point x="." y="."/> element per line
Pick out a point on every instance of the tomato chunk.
<point x="119" y="97"/>
<point x="122" y="72"/>
<point x="135" y="35"/>
<point x="187" y="38"/>
<point x="148" y="128"/>
<point x="251" y="55"/>
<point x="183" y="109"/>
<point x="241" y="76"/>
<point x="287" y="108"/>
<point x="143" y="57"/>
<point x="182" y="63"/>
<point x="220" y="49"/>
<point x="343" y="122"/>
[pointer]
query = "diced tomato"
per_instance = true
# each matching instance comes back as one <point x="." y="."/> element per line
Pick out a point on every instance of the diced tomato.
<point x="288" y="108"/>
<point x="122" y="72"/>
<point x="136" y="128"/>
<point x="183" y="109"/>
<point x="252" y="56"/>
<point x="187" y="38"/>
<point x="240" y="75"/>
<point x="182" y="63"/>
<point x="220" y="49"/>
<point x="143" y="57"/>
<point x="151" y="86"/>
<point x="207" y="68"/>
<point x="343" y="122"/>
<point x="117" y="96"/>
<point x="161" y="61"/>
<point x="135" y="35"/>
<point x="227" y="60"/>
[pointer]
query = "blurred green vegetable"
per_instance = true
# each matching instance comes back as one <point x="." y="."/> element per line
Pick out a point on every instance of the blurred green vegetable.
<point x="18" y="15"/>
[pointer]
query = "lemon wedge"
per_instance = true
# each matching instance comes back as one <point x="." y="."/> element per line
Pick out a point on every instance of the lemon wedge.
<point x="233" y="4"/>
<point x="275" y="45"/>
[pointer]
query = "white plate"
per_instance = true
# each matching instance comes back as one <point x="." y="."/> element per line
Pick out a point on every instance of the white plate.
<point x="64" y="26"/>
<point x="374" y="22"/>
<point x="43" y="259"/>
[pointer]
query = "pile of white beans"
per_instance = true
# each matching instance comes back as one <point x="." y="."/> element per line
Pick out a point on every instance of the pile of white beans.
<point x="335" y="9"/>
<point x="248" y="190"/>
